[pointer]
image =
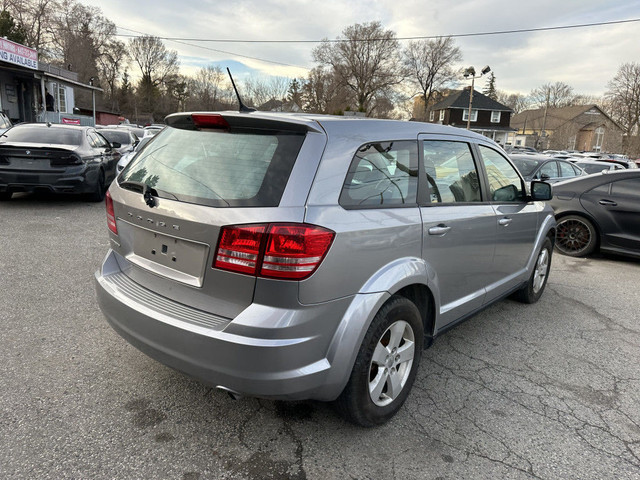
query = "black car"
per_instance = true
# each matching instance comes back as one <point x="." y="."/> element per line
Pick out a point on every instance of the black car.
<point x="598" y="211"/>
<point x="541" y="167"/>
<point x="125" y="137"/>
<point x="56" y="158"/>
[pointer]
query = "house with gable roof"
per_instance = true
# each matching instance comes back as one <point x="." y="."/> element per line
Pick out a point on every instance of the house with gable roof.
<point x="488" y="117"/>
<point x="578" y="127"/>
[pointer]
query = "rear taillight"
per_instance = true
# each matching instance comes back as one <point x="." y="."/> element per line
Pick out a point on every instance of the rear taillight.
<point x="111" y="216"/>
<point x="288" y="251"/>
<point x="239" y="248"/>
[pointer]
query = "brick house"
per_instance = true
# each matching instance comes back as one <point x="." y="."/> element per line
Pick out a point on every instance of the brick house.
<point x="577" y="127"/>
<point x="488" y="117"/>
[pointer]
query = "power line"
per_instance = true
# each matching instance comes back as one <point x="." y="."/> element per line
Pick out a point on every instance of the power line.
<point x="183" y="42"/>
<point x="422" y="37"/>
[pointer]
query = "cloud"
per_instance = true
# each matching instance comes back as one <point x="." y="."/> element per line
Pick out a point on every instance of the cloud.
<point x="585" y="58"/>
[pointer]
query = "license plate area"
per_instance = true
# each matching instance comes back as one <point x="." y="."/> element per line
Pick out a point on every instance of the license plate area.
<point x="176" y="258"/>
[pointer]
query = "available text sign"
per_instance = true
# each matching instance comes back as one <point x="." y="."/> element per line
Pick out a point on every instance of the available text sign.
<point x="18" y="54"/>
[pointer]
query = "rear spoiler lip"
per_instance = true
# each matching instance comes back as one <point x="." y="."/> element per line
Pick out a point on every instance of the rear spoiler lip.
<point x="257" y="120"/>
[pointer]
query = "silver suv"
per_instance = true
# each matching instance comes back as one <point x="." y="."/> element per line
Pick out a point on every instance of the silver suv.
<point x="314" y="257"/>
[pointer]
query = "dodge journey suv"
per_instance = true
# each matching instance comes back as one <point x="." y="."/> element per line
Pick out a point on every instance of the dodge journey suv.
<point x="314" y="257"/>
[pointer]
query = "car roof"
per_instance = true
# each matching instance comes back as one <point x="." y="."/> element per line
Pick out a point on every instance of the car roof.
<point x="53" y="125"/>
<point x="357" y="128"/>
<point x="583" y="183"/>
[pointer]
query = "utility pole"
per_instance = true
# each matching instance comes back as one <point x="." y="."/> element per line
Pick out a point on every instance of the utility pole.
<point x="471" y="72"/>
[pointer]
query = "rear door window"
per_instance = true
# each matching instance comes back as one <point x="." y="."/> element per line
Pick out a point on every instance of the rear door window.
<point x="218" y="168"/>
<point x="382" y="173"/>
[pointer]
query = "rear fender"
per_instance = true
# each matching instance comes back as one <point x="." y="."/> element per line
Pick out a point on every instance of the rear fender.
<point x="355" y="322"/>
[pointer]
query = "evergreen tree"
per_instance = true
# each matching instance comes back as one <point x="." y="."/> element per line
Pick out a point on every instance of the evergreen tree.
<point x="10" y="30"/>
<point x="490" y="88"/>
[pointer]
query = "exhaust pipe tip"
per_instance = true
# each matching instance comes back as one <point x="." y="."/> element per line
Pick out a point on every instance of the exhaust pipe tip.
<point x="234" y="395"/>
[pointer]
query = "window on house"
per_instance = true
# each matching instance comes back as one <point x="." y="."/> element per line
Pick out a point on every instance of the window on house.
<point x="442" y="115"/>
<point x="599" y="136"/>
<point x="495" y="117"/>
<point x="62" y="99"/>
<point x="571" y="144"/>
<point x="465" y="115"/>
<point x="432" y="116"/>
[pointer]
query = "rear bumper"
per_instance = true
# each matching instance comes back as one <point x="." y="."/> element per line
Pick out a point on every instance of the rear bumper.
<point x="76" y="179"/>
<point x="289" y="361"/>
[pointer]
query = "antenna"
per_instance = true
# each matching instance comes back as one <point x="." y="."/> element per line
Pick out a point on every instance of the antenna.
<point x="243" y="107"/>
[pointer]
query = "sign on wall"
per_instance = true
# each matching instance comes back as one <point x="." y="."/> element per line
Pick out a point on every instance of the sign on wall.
<point x="17" y="54"/>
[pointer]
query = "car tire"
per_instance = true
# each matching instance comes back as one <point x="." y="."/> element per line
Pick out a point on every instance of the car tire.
<point x="576" y="236"/>
<point x="386" y="365"/>
<point x="534" y="288"/>
<point x="98" y="194"/>
<point x="4" y="196"/>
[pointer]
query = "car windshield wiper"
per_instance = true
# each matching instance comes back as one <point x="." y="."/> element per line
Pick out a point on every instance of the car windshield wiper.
<point x="145" y="189"/>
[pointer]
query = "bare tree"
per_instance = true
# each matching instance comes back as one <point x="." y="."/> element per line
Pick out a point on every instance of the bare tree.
<point x="623" y="97"/>
<point x="260" y="90"/>
<point x="34" y="17"/>
<point x="430" y="67"/>
<point x="553" y="95"/>
<point x="518" y="102"/>
<point x="208" y="89"/>
<point x="110" y="64"/>
<point x="323" y="93"/>
<point x="365" y="60"/>
<point x="158" y="67"/>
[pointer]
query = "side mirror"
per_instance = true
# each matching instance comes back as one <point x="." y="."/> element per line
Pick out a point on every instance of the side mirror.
<point x="116" y="145"/>
<point x="508" y="193"/>
<point x="541" y="191"/>
<point x="544" y="177"/>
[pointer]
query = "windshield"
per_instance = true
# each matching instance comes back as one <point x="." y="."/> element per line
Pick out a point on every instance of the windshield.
<point x="526" y="167"/>
<point x="247" y="168"/>
<point x="32" y="134"/>
<point x="122" y="138"/>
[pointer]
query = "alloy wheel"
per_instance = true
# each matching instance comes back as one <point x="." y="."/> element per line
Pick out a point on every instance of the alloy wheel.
<point x="391" y="363"/>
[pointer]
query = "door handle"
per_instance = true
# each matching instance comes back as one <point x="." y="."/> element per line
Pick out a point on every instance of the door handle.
<point x="608" y="203"/>
<point x="505" y="221"/>
<point x="439" y="229"/>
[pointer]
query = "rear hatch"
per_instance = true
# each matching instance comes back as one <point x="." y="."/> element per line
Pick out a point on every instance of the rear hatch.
<point x="204" y="172"/>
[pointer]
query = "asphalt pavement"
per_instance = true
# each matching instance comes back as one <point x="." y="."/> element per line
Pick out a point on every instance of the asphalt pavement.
<point x="550" y="390"/>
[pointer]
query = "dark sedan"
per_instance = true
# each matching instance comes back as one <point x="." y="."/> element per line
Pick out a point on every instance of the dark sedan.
<point x="547" y="169"/>
<point x="598" y="211"/>
<point x="56" y="158"/>
<point x="125" y="137"/>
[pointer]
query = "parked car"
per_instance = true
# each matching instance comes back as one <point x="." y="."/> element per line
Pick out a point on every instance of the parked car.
<point x="519" y="149"/>
<point x="600" y="211"/>
<point x="126" y="138"/>
<point x="5" y="123"/>
<point x="541" y="167"/>
<point x="597" y="166"/>
<point x="127" y="157"/>
<point x="313" y="257"/>
<point x="153" y="129"/>
<point x="57" y="158"/>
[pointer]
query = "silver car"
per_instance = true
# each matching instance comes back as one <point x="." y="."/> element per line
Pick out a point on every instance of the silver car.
<point x="314" y="257"/>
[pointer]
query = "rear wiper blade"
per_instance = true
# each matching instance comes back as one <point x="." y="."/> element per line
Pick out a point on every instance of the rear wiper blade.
<point x="147" y="192"/>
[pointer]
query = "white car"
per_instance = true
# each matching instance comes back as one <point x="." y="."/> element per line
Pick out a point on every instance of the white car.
<point x="127" y="157"/>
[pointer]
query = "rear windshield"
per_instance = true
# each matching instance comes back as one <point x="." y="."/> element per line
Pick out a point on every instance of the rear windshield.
<point x="223" y="169"/>
<point x="526" y="167"/>
<point x="122" y="138"/>
<point x="56" y="135"/>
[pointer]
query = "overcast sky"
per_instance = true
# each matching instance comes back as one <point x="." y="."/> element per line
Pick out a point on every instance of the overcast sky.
<point x="585" y="58"/>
